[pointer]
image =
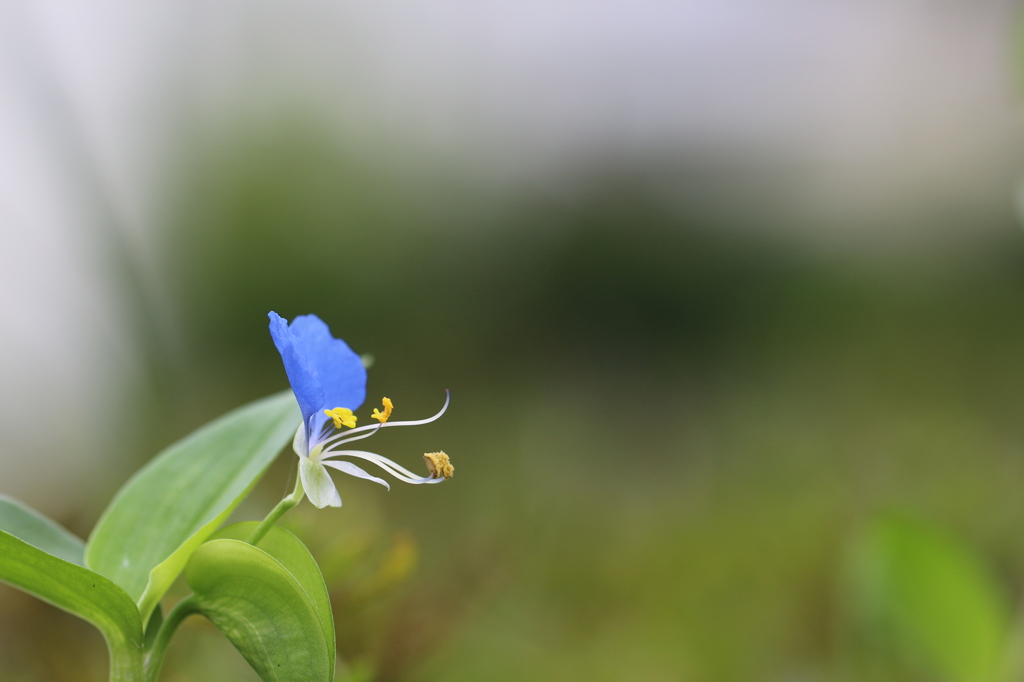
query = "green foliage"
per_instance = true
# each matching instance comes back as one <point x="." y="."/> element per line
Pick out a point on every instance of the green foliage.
<point x="42" y="558"/>
<point x="931" y="603"/>
<point x="263" y="609"/>
<point x="72" y="588"/>
<point x="296" y="559"/>
<point x="164" y="512"/>
<point x="37" y="530"/>
<point x="147" y="535"/>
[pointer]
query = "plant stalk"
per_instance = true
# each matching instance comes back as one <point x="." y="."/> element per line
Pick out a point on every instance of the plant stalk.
<point x="126" y="661"/>
<point x="154" y="656"/>
<point x="277" y="512"/>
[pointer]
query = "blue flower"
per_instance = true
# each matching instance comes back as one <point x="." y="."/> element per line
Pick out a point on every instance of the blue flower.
<point x="329" y="382"/>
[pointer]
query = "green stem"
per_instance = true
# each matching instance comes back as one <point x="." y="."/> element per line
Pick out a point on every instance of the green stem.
<point x="277" y="512"/>
<point x="126" y="661"/>
<point x="154" y="657"/>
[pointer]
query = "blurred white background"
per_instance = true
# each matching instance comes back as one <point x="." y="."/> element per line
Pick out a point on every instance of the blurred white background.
<point x="871" y="118"/>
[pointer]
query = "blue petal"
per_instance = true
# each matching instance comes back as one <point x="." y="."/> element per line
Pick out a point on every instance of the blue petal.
<point x="336" y="370"/>
<point x="302" y="374"/>
<point x="341" y="371"/>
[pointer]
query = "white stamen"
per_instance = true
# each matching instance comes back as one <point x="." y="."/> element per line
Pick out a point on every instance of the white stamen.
<point x="349" y="437"/>
<point x="346" y="436"/>
<point x="393" y="468"/>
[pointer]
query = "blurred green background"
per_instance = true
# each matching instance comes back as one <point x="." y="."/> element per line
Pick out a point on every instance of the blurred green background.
<point x="690" y="443"/>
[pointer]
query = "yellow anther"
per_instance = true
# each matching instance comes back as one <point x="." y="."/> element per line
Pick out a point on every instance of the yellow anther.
<point x="439" y="465"/>
<point x="342" y="416"/>
<point x="383" y="416"/>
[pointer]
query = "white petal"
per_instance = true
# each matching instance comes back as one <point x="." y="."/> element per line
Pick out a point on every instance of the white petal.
<point x="318" y="484"/>
<point x="352" y="470"/>
<point x="299" y="442"/>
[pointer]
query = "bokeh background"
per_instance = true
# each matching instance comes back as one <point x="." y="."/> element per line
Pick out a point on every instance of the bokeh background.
<point x="715" y="288"/>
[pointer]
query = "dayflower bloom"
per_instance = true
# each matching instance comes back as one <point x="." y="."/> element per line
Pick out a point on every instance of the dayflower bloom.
<point x="329" y="382"/>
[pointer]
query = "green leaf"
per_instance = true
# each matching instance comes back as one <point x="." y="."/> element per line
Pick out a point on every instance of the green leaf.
<point x="932" y="602"/>
<point x="262" y="609"/>
<point x="70" y="587"/>
<point x="293" y="555"/>
<point x="163" y="513"/>
<point x="27" y="524"/>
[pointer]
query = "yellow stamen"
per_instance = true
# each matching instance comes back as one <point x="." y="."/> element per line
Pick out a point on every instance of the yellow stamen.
<point x="342" y="416"/>
<point x="383" y="416"/>
<point x="439" y="465"/>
